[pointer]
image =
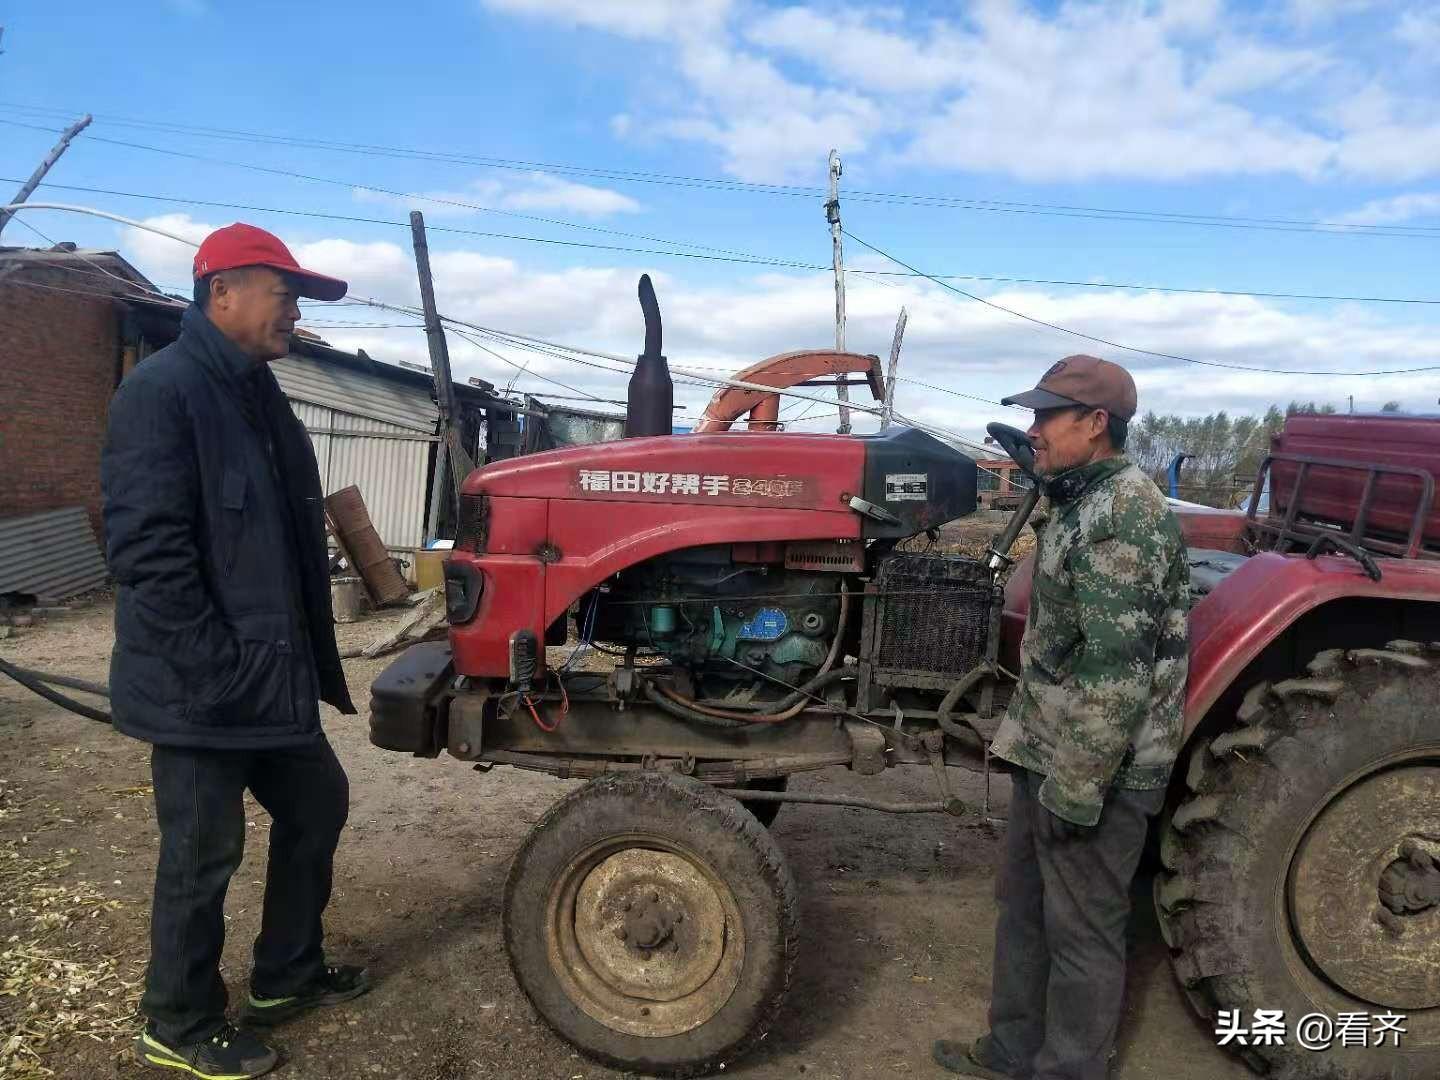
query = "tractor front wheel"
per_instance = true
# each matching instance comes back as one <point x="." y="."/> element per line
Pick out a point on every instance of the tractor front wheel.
<point x="651" y="921"/>
<point x="1303" y="871"/>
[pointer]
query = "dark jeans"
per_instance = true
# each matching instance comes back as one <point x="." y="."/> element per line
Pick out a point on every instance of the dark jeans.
<point x="199" y="803"/>
<point x="1060" y="938"/>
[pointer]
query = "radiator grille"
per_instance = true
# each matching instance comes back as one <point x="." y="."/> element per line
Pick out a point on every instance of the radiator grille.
<point x="932" y="617"/>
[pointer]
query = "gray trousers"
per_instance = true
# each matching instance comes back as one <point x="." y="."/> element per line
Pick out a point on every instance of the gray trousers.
<point x="1060" y="939"/>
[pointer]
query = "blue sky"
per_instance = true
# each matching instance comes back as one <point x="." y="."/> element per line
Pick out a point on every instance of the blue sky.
<point x="1311" y="110"/>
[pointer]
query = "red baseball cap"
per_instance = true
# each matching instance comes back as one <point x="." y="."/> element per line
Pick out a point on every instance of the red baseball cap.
<point x="244" y="245"/>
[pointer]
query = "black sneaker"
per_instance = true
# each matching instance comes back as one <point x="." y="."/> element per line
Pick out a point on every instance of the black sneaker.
<point x="971" y="1060"/>
<point x="336" y="983"/>
<point x="229" y="1054"/>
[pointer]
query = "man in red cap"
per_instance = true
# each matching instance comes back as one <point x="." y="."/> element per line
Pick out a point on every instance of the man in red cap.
<point x="1092" y="732"/>
<point x="224" y="645"/>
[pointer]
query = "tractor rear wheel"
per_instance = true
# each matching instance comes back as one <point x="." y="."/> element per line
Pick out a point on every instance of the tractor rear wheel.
<point x="653" y="924"/>
<point x="1303" y="867"/>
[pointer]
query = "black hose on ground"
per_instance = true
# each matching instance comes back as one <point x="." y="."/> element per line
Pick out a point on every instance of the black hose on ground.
<point x="27" y="680"/>
<point x="98" y="689"/>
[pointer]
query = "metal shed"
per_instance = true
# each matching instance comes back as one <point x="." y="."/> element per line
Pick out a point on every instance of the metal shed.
<point x="371" y="433"/>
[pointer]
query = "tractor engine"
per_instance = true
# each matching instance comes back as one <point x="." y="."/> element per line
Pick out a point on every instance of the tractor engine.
<point x="718" y="618"/>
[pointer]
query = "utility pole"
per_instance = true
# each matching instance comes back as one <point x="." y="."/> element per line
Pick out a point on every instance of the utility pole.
<point x="889" y="407"/>
<point x="832" y="215"/>
<point x="449" y="450"/>
<point x="50" y="159"/>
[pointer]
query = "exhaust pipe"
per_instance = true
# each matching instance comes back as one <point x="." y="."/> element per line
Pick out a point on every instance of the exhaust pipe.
<point x="651" y="398"/>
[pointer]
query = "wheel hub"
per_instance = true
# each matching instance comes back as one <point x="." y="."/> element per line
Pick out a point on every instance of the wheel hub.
<point x="1411" y="884"/>
<point x="650" y="924"/>
<point x="1364" y="890"/>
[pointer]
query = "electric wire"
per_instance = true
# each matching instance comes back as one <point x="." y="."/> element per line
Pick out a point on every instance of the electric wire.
<point x="135" y="286"/>
<point x="1127" y="214"/>
<point x="747" y="259"/>
<point x="1120" y="345"/>
<point x="527" y="342"/>
<point x="441" y="200"/>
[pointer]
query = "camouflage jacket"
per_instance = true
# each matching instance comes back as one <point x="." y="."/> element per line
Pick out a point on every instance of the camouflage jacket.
<point x="1106" y="648"/>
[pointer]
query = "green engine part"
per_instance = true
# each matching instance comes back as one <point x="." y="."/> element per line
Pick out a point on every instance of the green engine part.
<point x="662" y="620"/>
<point x="793" y="648"/>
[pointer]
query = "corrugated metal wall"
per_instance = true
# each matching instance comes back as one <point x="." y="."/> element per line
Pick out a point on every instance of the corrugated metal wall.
<point x="369" y="433"/>
<point x="51" y="555"/>
<point x="385" y="461"/>
<point x="304" y="379"/>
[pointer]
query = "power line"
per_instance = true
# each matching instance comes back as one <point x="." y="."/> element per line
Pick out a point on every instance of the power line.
<point x="1125" y="214"/>
<point x="533" y="374"/>
<point x="134" y="287"/>
<point x="748" y="259"/>
<point x="532" y="343"/>
<point x="523" y="341"/>
<point x="1119" y="345"/>
<point x="957" y="393"/>
<point x="415" y="196"/>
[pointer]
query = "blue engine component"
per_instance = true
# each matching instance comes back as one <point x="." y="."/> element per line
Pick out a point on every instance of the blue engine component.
<point x="767" y="624"/>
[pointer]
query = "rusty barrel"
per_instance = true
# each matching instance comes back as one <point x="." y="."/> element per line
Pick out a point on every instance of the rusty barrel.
<point x="360" y="544"/>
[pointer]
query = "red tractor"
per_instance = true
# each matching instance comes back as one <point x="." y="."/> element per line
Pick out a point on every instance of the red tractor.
<point x="758" y="618"/>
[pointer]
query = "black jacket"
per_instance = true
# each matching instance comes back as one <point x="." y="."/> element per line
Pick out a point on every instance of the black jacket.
<point x="215" y="533"/>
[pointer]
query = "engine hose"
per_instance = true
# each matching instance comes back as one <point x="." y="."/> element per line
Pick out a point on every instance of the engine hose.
<point x="685" y="712"/>
<point x="947" y="704"/>
<point x="28" y="681"/>
<point x="805" y="691"/>
<point x="789" y="706"/>
<point x="754" y="717"/>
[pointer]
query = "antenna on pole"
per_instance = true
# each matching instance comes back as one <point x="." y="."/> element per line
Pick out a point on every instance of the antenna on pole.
<point x="39" y="174"/>
<point x="832" y="215"/>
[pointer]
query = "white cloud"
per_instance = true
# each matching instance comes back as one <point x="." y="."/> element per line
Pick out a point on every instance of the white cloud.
<point x="1084" y="89"/>
<point x="1311" y="12"/>
<point x="854" y="50"/>
<point x="546" y="192"/>
<point x="1240" y="67"/>
<point x="950" y="342"/>
<point x="529" y="191"/>
<point x="1399" y="148"/>
<point x="161" y="258"/>
<point x="1099" y="91"/>
<point x="1395" y="209"/>
<point x="1420" y="30"/>
<point x="633" y="18"/>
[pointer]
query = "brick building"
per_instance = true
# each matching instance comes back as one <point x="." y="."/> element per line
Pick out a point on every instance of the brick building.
<point x="73" y="323"/>
<point x="65" y="341"/>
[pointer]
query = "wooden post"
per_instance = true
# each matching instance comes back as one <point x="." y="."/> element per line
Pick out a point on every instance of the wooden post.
<point x="39" y="174"/>
<point x="889" y="406"/>
<point x="837" y="252"/>
<point x="452" y="463"/>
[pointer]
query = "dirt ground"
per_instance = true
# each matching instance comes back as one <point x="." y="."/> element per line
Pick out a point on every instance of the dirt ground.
<point x="897" y="912"/>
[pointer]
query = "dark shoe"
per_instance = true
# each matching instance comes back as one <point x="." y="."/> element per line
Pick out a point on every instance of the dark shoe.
<point x="337" y="983"/>
<point x="969" y="1060"/>
<point x="229" y="1054"/>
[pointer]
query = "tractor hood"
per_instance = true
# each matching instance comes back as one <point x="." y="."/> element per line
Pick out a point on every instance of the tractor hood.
<point x="911" y="480"/>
